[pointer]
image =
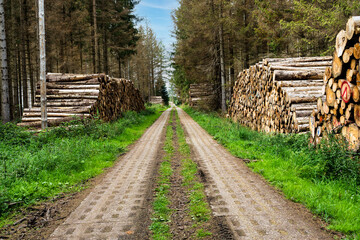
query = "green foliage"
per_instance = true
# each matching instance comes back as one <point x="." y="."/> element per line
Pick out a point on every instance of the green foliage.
<point x="36" y="167"/>
<point x="181" y="82"/>
<point x="325" y="179"/>
<point x="315" y="24"/>
<point x="201" y="233"/>
<point x="165" y="95"/>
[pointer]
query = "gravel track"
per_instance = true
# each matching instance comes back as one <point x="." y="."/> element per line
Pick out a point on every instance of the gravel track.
<point x="252" y="208"/>
<point x="112" y="209"/>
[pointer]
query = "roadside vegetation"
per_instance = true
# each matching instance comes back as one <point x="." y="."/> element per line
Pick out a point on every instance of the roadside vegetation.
<point x="162" y="213"/>
<point x="325" y="178"/>
<point x="36" y="167"/>
<point x="199" y="209"/>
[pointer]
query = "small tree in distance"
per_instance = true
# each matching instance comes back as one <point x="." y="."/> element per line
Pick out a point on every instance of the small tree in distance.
<point x="164" y="95"/>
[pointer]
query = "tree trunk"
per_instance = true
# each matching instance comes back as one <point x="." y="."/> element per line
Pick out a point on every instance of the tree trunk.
<point x="23" y="55"/>
<point x="119" y="63"/>
<point x="105" y="54"/>
<point x="5" y="103"/>
<point x="96" y="46"/>
<point x="43" y="99"/>
<point x="19" y="90"/>
<point x="222" y="64"/>
<point x="231" y="68"/>
<point x="30" y="80"/>
<point x="14" y="75"/>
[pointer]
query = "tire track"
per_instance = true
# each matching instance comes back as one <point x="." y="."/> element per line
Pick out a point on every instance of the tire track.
<point x="110" y="211"/>
<point x="252" y="208"/>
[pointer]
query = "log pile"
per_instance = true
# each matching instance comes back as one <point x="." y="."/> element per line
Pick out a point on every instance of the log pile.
<point x="278" y="94"/>
<point x="116" y="96"/>
<point x="202" y="96"/>
<point x="156" y="100"/>
<point x="73" y="96"/>
<point x="339" y="111"/>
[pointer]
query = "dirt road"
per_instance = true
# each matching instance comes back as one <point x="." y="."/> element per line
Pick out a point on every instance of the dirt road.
<point x="119" y="207"/>
<point x="112" y="209"/>
<point x="252" y="208"/>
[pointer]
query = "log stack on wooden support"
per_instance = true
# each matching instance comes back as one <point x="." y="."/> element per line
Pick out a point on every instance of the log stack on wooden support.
<point x="156" y="100"/>
<point x="202" y="96"/>
<point x="71" y="96"/>
<point x="278" y="94"/>
<point x="339" y="111"/>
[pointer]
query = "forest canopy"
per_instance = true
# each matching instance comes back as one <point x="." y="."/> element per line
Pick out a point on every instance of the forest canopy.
<point x="233" y="34"/>
<point x="82" y="36"/>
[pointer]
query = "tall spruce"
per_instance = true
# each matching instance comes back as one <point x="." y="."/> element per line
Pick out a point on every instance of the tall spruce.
<point x="5" y="98"/>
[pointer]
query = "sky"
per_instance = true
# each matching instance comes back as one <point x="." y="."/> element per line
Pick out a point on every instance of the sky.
<point x="158" y="14"/>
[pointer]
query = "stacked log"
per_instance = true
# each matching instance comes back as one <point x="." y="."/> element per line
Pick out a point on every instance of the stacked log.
<point x="339" y="111"/>
<point x="156" y="100"/>
<point x="116" y="96"/>
<point x="73" y="96"/>
<point x="202" y="96"/>
<point x="278" y="94"/>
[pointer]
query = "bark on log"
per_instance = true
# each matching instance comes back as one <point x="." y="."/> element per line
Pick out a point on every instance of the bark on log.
<point x="297" y="75"/>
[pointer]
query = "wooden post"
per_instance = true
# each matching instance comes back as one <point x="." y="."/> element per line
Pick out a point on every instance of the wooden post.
<point x="42" y="64"/>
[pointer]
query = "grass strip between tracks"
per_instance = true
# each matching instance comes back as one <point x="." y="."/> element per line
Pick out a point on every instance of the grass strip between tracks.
<point x="325" y="179"/>
<point x="162" y="213"/>
<point x="199" y="209"/>
<point x="37" y="167"/>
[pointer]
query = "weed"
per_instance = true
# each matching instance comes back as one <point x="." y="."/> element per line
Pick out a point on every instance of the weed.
<point x="201" y="233"/>
<point x="199" y="209"/>
<point x="325" y="179"/>
<point x="38" y="167"/>
<point x="162" y="213"/>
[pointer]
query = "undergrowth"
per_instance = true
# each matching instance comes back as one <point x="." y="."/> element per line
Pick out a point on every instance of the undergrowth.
<point x="35" y="167"/>
<point x="325" y="178"/>
<point x="162" y="213"/>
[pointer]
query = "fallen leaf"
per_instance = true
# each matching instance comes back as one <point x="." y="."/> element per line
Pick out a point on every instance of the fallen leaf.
<point x="130" y="232"/>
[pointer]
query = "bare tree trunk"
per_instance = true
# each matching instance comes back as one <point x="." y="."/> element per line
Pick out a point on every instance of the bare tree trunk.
<point x="153" y="90"/>
<point x="105" y="54"/>
<point x="42" y="64"/>
<point x="10" y="56"/>
<point x="128" y="68"/>
<point x="96" y="44"/>
<point x="30" y="81"/>
<point x="20" y="89"/>
<point x="23" y="55"/>
<point x="16" y="110"/>
<point x="119" y="62"/>
<point x="231" y="68"/>
<point x="222" y="64"/>
<point x="5" y="103"/>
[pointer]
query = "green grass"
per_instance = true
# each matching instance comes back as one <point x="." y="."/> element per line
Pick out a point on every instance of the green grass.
<point x="199" y="209"/>
<point x="38" y="167"/>
<point x="326" y="179"/>
<point x="162" y="213"/>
